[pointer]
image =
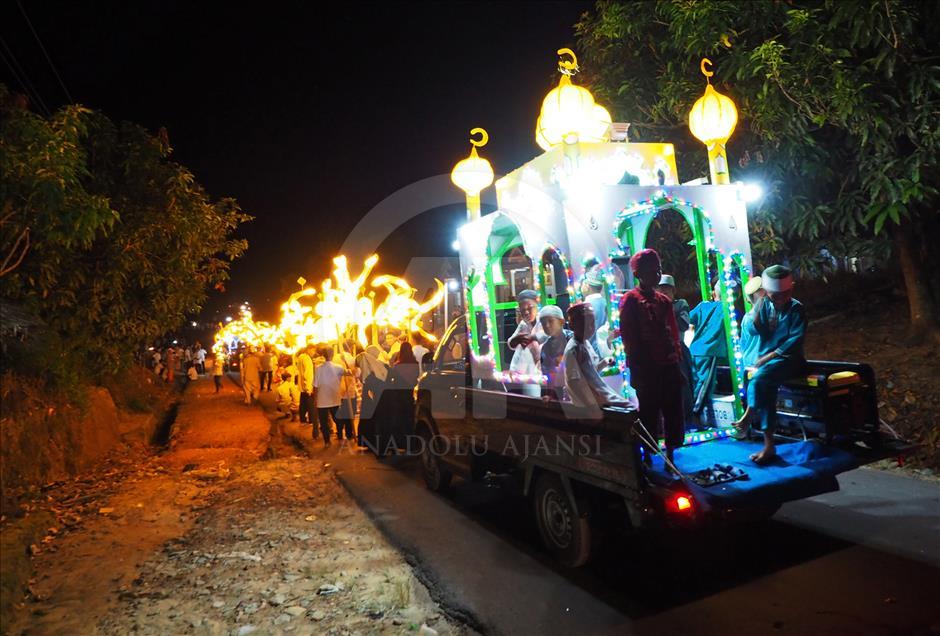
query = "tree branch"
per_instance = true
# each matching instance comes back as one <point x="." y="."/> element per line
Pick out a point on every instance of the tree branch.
<point x="6" y="268"/>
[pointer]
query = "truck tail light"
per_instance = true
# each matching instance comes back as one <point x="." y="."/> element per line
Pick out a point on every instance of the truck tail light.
<point x="683" y="503"/>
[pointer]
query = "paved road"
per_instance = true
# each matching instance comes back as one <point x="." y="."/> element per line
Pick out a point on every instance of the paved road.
<point x="861" y="561"/>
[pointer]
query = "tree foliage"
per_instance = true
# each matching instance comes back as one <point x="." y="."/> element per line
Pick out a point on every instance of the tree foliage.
<point x="124" y="242"/>
<point x="838" y="107"/>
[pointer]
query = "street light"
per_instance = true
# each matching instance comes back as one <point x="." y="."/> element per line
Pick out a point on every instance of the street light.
<point x="473" y="174"/>
<point x="712" y="120"/>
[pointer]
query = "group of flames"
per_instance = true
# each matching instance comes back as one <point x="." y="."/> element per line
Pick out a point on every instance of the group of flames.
<point x="343" y="308"/>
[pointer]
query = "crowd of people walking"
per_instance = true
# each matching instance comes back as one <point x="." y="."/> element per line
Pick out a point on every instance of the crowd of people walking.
<point x="328" y="387"/>
<point x="174" y="360"/>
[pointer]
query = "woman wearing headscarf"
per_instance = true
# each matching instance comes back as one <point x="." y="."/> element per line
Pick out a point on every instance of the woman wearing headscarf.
<point x="370" y="363"/>
<point x="374" y="377"/>
<point x="407" y="365"/>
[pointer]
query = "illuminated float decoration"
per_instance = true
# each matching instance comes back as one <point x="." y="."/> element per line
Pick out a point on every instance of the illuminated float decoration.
<point x="569" y="114"/>
<point x="473" y="174"/>
<point x="587" y="194"/>
<point x="712" y="120"/>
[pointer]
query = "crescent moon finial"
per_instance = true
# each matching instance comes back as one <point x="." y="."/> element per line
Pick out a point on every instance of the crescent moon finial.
<point x="707" y="73"/>
<point x="566" y="66"/>
<point x="482" y="141"/>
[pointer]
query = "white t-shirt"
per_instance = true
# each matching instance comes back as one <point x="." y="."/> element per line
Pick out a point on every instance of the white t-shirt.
<point x="200" y="355"/>
<point x="585" y="385"/>
<point x="327" y="380"/>
<point x="528" y="359"/>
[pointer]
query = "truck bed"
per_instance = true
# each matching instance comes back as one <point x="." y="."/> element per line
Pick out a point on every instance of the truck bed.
<point x="801" y="469"/>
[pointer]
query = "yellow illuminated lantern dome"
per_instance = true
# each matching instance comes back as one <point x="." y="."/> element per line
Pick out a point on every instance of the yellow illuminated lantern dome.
<point x="712" y="120"/>
<point x="569" y="113"/>
<point x="473" y="174"/>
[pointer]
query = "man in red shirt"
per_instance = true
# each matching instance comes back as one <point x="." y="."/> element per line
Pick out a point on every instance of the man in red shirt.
<point x="651" y="341"/>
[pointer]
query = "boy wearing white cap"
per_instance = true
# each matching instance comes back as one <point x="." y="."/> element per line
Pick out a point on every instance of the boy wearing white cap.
<point x="553" y="350"/>
<point x="780" y="323"/>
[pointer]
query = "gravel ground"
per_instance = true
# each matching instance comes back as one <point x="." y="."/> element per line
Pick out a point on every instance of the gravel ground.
<point x="240" y="537"/>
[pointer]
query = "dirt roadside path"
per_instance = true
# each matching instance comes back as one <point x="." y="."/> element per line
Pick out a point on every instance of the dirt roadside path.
<point x="227" y="531"/>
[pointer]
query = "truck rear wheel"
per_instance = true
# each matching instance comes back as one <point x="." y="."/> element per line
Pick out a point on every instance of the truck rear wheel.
<point x="563" y="523"/>
<point x="436" y="476"/>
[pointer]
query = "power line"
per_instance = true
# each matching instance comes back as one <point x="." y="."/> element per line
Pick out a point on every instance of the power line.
<point x="20" y="75"/>
<point x="44" y="52"/>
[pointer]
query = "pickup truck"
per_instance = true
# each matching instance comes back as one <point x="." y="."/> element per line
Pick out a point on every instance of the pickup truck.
<point x="584" y="472"/>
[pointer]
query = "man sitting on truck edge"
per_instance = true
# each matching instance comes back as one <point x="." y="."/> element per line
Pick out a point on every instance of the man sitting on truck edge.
<point x="585" y="386"/>
<point x="651" y="341"/>
<point x="780" y="324"/>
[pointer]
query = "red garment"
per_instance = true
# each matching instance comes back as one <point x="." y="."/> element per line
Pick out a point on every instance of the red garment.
<point x="648" y="329"/>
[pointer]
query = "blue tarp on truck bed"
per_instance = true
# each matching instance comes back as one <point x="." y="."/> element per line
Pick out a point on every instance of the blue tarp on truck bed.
<point x="801" y="469"/>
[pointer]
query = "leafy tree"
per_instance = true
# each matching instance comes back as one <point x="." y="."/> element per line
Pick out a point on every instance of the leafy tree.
<point x="124" y="241"/>
<point x="46" y="207"/>
<point x="838" y="106"/>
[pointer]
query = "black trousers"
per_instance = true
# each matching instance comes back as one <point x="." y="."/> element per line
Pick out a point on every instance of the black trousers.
<point x="266" y="375"/>
<point x="344" y="415"/>
<point x="659" y="391"/>
<point x="308" y="409"/>
<point x="324" y="413"/>
<point x="218" y="382"/>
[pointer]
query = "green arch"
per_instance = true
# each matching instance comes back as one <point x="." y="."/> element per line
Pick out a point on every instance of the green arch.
<point x="627" y="230"/>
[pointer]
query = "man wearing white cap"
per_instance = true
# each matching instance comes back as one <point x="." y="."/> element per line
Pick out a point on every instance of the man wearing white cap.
<point x="592" y="290"/>
<point x="780" y="324"/>
<point x="527" y="341"/>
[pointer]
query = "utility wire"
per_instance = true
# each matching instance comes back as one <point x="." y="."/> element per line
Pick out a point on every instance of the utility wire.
<point x="44" y="52"/>
<point x="20" y="75"/>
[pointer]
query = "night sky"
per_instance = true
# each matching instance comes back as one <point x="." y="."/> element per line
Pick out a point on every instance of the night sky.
<point x="308" y="114"/>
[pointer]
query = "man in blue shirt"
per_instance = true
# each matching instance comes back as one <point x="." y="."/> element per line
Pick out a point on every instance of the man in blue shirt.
<point x="780" y="323"/>
<point x="709" y="348"/>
